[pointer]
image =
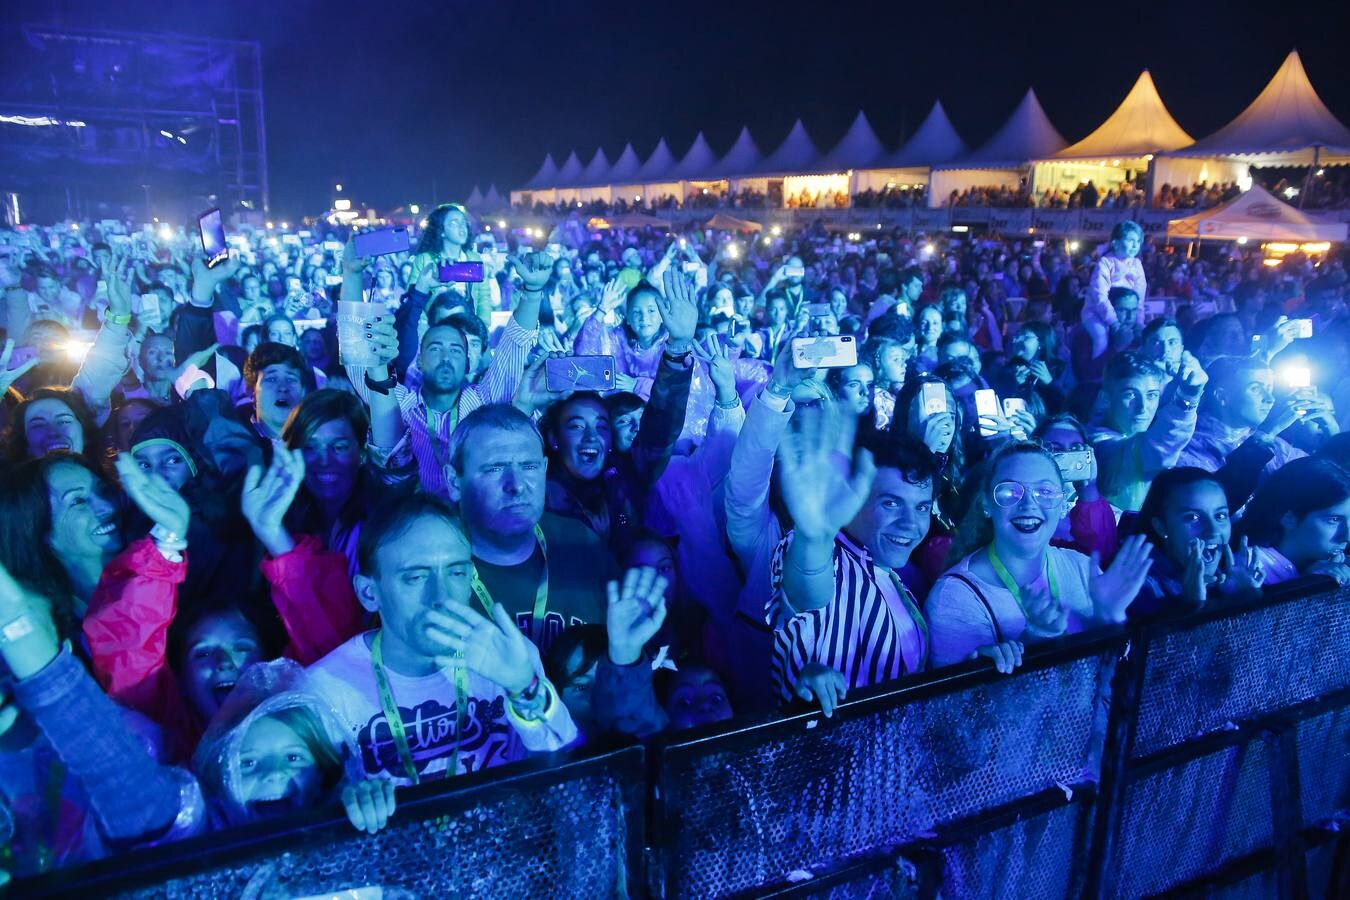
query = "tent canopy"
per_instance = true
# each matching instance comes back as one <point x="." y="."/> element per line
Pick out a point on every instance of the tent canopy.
<point x="597" y="170"/>
<point x="570" y="173"/>
<point x="723" y="222"/>
<point x="796" y="155"/>
<point x="1140" y="125"/>
<point x="1027" y="135"/>
<point x="936" y="141"/>
<point x="546" y="176"/>
<point x="1286" y="125"/>
<point x="743" y="158"/>
<point x="493" y="200"/>
<point x="659" y="164"/>
<point x="859" y="148"/>
<point x="626" y="167"/>
<point x="1257" y="215"/>
<point x="697" y="163"/>
<point x="475" y="198"/>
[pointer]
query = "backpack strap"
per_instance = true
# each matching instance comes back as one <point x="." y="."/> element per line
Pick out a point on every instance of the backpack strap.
<point x="984" y="601"/>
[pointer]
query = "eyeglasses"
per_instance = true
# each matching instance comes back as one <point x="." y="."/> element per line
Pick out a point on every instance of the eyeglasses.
<point x="1010" y="493"/>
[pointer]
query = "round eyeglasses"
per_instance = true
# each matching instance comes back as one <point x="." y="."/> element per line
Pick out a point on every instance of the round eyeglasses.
<point x="1010" y="493"/>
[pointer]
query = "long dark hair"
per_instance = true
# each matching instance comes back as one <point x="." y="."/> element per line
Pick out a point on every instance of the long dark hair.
<point x="1165" y="484"/>
<point x="25" y="530"/>
<point x="16" y="441"/>
<point x="1298" y="487"/>
<point x="433" y="235"/>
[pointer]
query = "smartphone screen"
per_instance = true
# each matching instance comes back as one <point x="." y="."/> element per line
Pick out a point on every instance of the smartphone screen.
<point x="211" y="226"/>
<point x="934" y="398"/>
<point x="462" y="272"/>
<point x="832" y="352"/>
<point x="382" y="242"/>
<point x="986" y="404"/>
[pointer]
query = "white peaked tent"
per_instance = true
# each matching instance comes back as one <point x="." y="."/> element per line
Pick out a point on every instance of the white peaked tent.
<point x="625" y="168"/>
<point x="1027" y="135"/>
<point x="570" y="173"/>
<point x="475" y="201"/>
<point x="1120" y="148"/>
<point x="540" y="187"/>
<point x="743" y="158"/>
<point x="1286" y="125"/>
<point x="492" y="201"/>
<point x="655" y="174"/>
<point x="797" y="154"/>
<point x="697" y="163"/>
<point x="1257" y="215"/>
<point x="935" y="141"/>
<point x="859" y="148"/>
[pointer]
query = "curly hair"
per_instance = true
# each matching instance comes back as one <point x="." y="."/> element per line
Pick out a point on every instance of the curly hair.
<point x="433" y="236"/>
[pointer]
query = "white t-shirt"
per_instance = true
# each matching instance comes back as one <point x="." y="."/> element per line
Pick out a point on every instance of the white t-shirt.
<point x="960" y="623"/>
<point x="493" y="733"/>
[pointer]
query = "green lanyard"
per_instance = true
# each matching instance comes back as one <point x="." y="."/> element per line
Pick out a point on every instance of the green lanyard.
<point x="919" y="621"/>
<point x="1006" y="577"/>
<point x="395" y="720"/>
<point x="540" y="597"/>
<point x="434" y="433"/>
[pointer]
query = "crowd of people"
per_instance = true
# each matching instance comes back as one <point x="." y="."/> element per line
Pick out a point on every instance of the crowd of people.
<point x="307" y="527"/>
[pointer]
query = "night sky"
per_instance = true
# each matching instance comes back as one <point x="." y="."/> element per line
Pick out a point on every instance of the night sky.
<point x="394" y="98"/>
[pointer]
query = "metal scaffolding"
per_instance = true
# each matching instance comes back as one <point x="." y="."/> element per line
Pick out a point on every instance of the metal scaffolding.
<point x="110" y="123"/>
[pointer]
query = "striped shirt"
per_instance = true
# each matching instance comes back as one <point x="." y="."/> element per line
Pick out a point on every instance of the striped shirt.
<point x="868" y="632"/>
<point x="429" y="429"/>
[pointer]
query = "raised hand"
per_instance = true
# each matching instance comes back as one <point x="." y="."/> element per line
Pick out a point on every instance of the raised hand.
<point x="351" y="263"/>
<point x="679" y="309"/>
<point x="1046" y="616"/>
<point x="635" y="613"/>
<point x="383" y="339"/>
<point x="534" y="270"/>
<point x="613" y="295"/>
<point x="533" y="394"/>
<point x="823" y="486"/>
<point x="818" y="681"/>
<point x="1243" y="570"/>
<point x="720" y="367"/>
<point x="1194" y="589"/>
<point x="938" y="431"/>
<point x="31" y="640"/>
<point x="493" y="648"/>
<point x="267" y="497"/>
<point x="1193" y="378"/>
<point x="152" y="495"/>
<point x="1115" y="589"/>
<point x="7" y="375"/>
<point x="369" y="803"/>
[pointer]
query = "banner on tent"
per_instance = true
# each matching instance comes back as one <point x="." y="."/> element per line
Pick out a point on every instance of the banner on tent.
<point x="1055" y="221"/>
<point x="1098" y="223"/>
<point x="1154" y="221"/>
<point x="932" y="219"/>
<point x="970" y="215"/>
<point x="1010" y="221"/>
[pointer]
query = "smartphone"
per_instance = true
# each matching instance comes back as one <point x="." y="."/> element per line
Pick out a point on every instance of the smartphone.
<point x="1304" y="328"/>
<point x="334" y="246"/>
<point x="1012" y="405"/>
<point x="580" y="373"/>
<point x="794" y="272"/>
<point x="692" y="267"/>
<point x="934" y="398"/>
<point x="291" y="239"/>
<point x="332" y="280"/>
<point x="818" y="310"/>
<point x="986" y="404"/>
<point x="826" y="352"/>
<point x="211" y="226"/>
<point x="382" y="242"/>
<point x="147" y="309"/>
<point x="461" y="272"/>
<point x="1075" y="465"/>
<point x="1297" y="376"/>
<point x="302" y="325"/>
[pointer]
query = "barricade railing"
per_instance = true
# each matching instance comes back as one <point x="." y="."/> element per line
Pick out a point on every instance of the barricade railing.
<point x="1203" y="755"/>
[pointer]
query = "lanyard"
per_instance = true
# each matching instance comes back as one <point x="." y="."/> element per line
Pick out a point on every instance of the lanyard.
<point x="395" y="720"/>
<point x="540" y="597"/>
<point x="434" y="433"/>
<point x="919" y="621"/>
<point x="1006" y="577"/>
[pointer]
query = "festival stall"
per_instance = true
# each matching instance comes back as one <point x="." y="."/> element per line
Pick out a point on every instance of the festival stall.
<point x="539" y="189"/>
<point x="654" y="175"/>
<point x="1002" y="161"/>
<point x="1119" y="150"/>
<point x="623" y="176"/>
<point x="796" y="176"/>
<point x="935" y="141"/>
<point x="738" y="167"/>
<point x="594" y="182"/>
<point x="1258" y="215"/>
<point x="695" y="169"/>
<point x="566" y="180"/>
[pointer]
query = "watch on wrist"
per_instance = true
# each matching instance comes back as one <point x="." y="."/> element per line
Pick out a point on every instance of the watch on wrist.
<point x="380" y="387"/>
<point x="529" y="694"/>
